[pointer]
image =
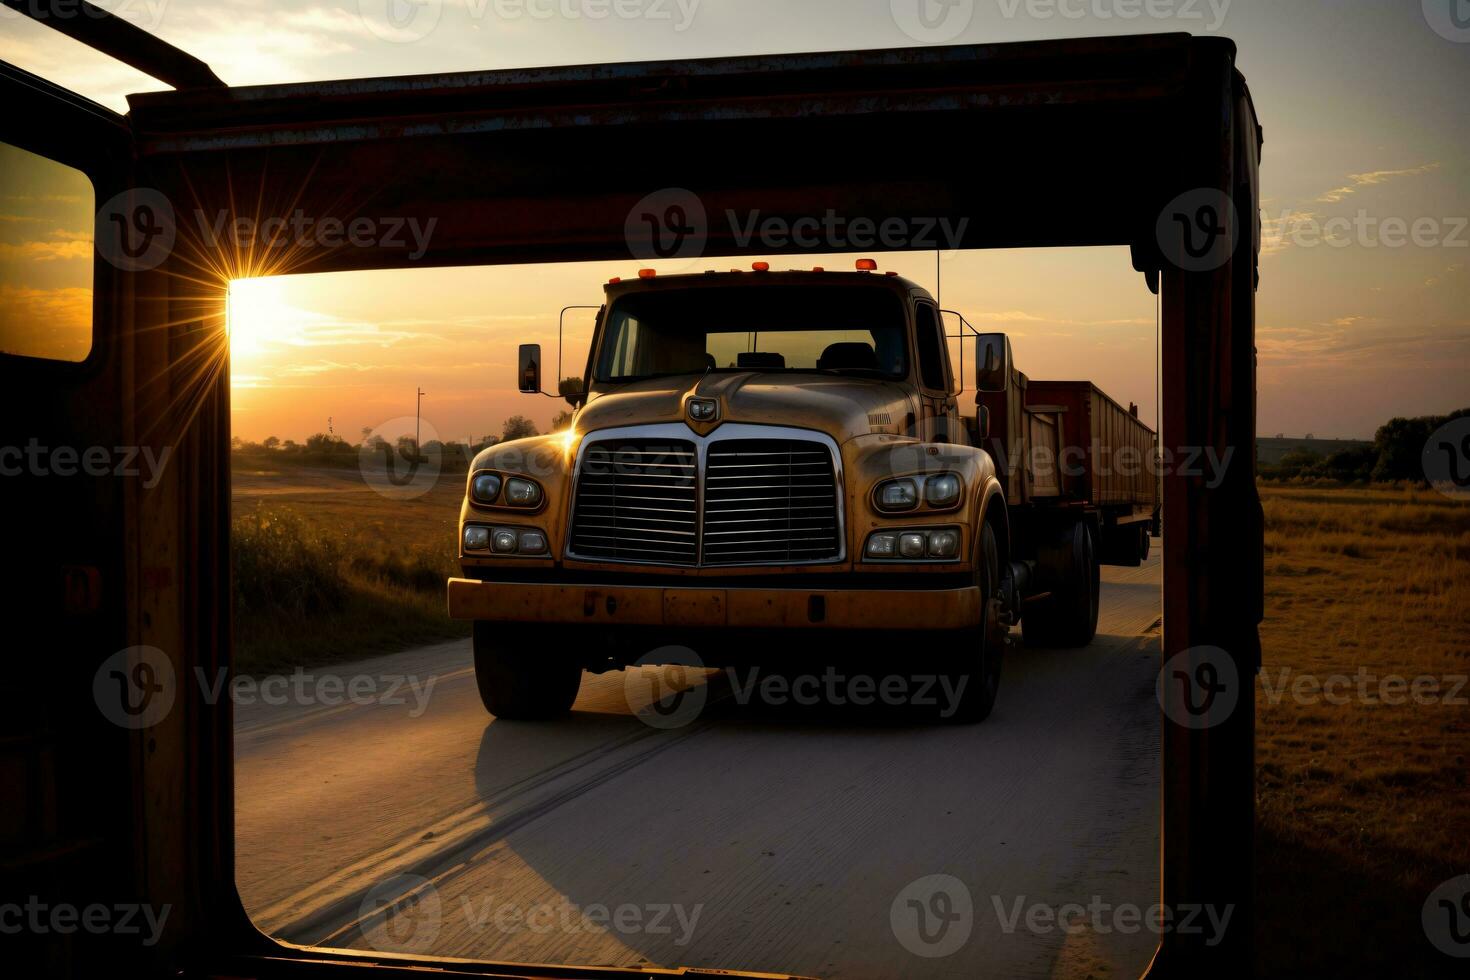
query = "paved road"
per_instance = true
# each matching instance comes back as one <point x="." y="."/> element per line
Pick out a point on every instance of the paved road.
<point x="779" y="838"/>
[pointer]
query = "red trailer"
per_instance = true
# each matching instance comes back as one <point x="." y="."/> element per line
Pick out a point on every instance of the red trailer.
<point x="1082" y="490"/>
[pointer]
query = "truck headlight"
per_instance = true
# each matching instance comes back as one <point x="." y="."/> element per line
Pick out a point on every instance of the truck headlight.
<point x="943" y="544"/>
<point x="485" y="488"/>
<point x="882" y="546"/>
<point x="522" y="493"/>
<point x="504" y="541"/>
<point x="942" y="490"/>
<point x="532" y="543"/>
<point x="476" y="538"/>
<point x="897" y="495"/>
<point x="916" y="544"/>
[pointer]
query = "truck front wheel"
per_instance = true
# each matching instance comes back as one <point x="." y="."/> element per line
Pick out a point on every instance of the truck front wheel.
<point x="519" y="678"/>
<point x="982" y="682"/>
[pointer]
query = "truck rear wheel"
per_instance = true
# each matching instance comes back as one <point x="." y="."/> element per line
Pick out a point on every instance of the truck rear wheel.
<point x="519" y="679"/>
<point x="1068" y="616"/>
<point x="982" y="682"/>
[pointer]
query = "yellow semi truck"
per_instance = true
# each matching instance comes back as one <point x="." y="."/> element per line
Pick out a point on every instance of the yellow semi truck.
<point x="757" y="454"/>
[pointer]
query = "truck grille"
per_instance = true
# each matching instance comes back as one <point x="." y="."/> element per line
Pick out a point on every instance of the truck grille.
<point x="637" y="501"/>
<point x="769" y="500"/>
<point x="765" y="501"/>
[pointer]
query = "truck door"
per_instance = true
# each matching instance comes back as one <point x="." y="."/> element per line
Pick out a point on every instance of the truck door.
<point x="68" y="461"/>
<point x="938" y="411"/>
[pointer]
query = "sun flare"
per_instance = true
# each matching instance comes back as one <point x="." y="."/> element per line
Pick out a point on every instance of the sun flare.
<point x="259" y="318"/>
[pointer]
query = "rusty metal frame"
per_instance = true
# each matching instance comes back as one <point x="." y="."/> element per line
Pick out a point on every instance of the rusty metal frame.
<point x="499" y="160"/>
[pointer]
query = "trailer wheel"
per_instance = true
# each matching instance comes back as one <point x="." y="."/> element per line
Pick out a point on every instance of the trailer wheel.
<point x="977" y="697"/>
<point x="1068" y="616"/>
<point x="518" y="679"/>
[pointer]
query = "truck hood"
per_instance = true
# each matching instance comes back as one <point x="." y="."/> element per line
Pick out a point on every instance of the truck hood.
<point x="842" y="407"/>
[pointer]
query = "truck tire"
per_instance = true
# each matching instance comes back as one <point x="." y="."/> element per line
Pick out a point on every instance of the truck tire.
<point x="1068" y="616"/>
<point x="982" y="682"/>
<point x="518" y="678"/>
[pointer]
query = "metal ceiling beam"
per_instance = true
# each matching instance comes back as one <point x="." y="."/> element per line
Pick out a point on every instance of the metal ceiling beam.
<point x="100" y="30"/>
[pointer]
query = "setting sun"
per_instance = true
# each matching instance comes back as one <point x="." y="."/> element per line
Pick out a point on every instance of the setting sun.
<point x="259" y="318"/>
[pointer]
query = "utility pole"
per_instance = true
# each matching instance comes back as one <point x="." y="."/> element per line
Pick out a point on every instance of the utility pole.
<point x="417" y="402"/>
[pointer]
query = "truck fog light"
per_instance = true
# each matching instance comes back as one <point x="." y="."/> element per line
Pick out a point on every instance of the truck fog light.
<point x="882" y="545"/>
<point x="485" y="488"/>
<point x="943" y="544"/>
<point x="505" y="541"/>
<point x="522" y="493"/>
<point x="532" y="542"/>
<point x="942" y="490"/>
<point x="911" y="545"/>
<point x="476" y="538"/>
<point x="898" y="495"/>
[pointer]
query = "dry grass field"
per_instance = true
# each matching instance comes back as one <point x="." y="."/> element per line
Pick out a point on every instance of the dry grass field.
<point x="327" y="569"/>
<point x="1363" y="800"/>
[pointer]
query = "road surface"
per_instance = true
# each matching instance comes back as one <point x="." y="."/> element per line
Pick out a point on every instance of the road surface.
<point x="789" y="838"/>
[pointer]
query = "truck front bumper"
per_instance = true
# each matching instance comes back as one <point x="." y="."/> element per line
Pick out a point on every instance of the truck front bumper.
<point x="680" y="606"/>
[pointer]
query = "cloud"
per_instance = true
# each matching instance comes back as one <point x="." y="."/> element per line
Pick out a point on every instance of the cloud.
<point x="1371" y="178"/>
<point x="46" y="251"/>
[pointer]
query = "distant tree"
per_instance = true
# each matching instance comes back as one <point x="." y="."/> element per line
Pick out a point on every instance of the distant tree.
<point x="561" y="421"/>
<point x="1350" y="465"/>
<point x="569" y="386"/>
<point x="270" y="442"/>
<point x="1400" y="446"/>
<point x="517" y="427"/>
<point x="321" y="442"/>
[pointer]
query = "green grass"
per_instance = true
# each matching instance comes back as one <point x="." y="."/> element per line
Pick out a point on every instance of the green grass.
<point x="327" y="571"/>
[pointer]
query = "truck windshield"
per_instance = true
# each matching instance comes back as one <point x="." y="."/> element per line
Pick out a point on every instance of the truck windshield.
<point x="767" y="327"/>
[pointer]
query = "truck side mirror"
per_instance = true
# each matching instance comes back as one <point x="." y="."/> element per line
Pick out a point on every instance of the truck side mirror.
<point x="529" y="372"/>
<point x="992" y="361"/>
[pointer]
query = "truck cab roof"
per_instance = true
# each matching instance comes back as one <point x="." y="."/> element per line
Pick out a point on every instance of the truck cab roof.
<point x="643" y="281"/>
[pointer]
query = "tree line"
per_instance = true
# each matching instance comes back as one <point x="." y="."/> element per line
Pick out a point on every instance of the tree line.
<point x="1395" y="455"/>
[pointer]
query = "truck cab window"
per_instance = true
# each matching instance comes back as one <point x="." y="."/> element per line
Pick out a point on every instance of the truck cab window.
<point x="931" y="348"/>
<point x="45" y="257"/>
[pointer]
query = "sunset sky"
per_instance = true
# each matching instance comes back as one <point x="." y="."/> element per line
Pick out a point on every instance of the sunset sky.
<point x="1362" y="103"/>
